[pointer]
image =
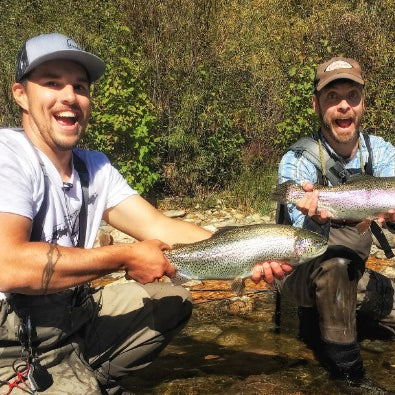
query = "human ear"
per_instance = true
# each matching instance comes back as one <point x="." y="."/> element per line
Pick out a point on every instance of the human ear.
<point x="19" y="93"/>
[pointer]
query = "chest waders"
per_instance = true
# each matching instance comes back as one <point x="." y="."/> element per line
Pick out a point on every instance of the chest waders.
<point x="329" y="169"/>
<point x="38" y="377"/>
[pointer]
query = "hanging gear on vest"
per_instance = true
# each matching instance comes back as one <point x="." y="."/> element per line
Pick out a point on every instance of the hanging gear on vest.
<point x="331" y="170"/>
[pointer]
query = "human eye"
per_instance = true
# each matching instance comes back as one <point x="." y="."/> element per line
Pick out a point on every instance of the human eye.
<point x="354" y="95"/>
<point x="82" y="87"/>
<point x="51" y="83"/>
<point x="331" y="96"/>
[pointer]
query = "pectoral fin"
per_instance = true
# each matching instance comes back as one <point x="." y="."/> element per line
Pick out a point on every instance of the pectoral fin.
<point x="238" y="286"/>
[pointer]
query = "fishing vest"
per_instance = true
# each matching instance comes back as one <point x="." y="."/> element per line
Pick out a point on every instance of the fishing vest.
<point x="336" y="174"/>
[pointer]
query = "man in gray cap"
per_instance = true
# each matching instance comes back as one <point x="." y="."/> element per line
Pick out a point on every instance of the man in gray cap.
<point x="330" y="290"/>
<point x="58" y="334"/>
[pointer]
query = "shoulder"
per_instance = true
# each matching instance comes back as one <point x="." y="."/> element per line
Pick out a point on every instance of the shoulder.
<point x="295" y="158"/>
<point x="378" y="141"/>
<point x="16" y="148"/>
<point x="14" y="139"/>
<point x="95" y="161"/>
<point x="380" y="147"/>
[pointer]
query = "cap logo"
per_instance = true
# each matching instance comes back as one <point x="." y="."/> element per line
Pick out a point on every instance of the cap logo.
<point x="338" y="64"/>
<point x="72" y="44"/>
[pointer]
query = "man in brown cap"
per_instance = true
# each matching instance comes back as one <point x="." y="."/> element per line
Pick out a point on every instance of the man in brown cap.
<point x="336" y="289"/>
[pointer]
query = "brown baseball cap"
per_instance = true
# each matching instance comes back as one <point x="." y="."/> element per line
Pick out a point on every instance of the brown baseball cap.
<point x="336" y="69"/>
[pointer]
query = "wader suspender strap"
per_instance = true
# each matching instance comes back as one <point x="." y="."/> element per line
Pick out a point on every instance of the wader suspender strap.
<point x="22" y="303"/>
<point x="84" y="178"/>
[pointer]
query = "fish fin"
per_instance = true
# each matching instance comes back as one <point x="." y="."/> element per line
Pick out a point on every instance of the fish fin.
<point x="238" y="286"/>
<point x="363" y="226"/>
<point x="180" y="279"/>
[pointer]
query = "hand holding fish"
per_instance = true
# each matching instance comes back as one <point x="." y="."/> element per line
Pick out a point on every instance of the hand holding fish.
<point x="269" y="270"/>
<point x="361" y="198"/>
<point x="145" y="261"/>
<point x="308" y="204"/>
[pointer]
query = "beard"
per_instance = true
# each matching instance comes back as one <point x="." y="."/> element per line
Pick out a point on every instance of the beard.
<point x="346" y="138"/>
<point x="52" y="138"/>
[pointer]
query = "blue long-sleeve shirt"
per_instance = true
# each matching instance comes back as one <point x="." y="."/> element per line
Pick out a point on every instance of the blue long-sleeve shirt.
<point x="299" y="169"/>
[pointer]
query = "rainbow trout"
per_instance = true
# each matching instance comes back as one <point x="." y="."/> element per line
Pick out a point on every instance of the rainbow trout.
<point x="363" y="197"/>
<point x="232" y="251"/>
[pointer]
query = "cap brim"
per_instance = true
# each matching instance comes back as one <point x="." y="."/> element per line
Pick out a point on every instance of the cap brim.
<point x="94" y="66"/>
<point x="340" y="76"/>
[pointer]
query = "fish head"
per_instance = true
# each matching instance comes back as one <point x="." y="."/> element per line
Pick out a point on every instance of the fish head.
<point x="308" y="245"/>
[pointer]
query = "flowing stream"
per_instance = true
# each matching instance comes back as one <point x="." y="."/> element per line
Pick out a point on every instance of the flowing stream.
<point x="230" y="346"/>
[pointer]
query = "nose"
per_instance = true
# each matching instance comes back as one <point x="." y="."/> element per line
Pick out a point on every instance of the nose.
<point x="344" y="105"/>
<point x="68" y="94"/>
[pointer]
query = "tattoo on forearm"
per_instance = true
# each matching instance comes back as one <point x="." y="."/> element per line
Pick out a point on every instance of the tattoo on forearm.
<point x="53" y="256"/>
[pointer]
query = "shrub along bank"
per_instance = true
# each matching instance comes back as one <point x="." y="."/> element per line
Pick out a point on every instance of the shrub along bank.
<point x="202" y="97"/>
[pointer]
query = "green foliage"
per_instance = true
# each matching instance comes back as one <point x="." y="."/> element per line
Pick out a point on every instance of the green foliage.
<point x="210" y="157"/>
<point x="123" y="119"/>
<point x="299" y="115"/>
<point x="228" y="83"/>
<point x="253" y="188"/>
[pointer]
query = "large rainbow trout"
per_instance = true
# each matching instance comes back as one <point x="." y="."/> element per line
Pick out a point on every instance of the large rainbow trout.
<point x="232" y="251"/>
<point x="363" y="197"/>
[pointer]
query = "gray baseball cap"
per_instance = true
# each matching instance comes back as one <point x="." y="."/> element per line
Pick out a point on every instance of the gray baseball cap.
<point x="54" y="46"/>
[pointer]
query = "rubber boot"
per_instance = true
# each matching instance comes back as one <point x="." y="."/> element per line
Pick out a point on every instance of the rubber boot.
<point x="343" y="361"/>
<point x="345" y="366"/>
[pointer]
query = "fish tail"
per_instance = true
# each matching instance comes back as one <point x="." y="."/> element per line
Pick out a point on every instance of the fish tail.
<point x="287" y="192"/>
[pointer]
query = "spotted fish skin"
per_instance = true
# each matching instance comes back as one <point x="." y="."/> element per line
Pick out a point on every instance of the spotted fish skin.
<point x="362" y="198"/>
<point x="232" y="251"/>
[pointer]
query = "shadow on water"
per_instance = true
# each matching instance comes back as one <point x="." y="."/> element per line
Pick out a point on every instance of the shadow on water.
<point x="220" y="352"/>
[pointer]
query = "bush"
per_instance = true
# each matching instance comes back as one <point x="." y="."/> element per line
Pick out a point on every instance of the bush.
<point x="123" y="118"/>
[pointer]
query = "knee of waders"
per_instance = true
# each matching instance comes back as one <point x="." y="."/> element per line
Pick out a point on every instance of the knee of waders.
<point x="341" y="258"/>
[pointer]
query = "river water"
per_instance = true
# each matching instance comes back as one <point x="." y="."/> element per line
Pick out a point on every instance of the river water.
<point x="230" y="346"/>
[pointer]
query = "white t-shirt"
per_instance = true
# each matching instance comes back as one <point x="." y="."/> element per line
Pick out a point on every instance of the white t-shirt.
<point x="22" y="189"/>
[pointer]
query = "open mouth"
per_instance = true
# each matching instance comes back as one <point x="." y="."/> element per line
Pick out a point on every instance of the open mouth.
<point x="66" y="118"/>
<point x="344" y="122"/>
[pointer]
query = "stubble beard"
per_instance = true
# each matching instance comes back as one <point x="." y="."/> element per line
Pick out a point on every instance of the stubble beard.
<point x="326" y="126"/>
<point x="57" y="142"/>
